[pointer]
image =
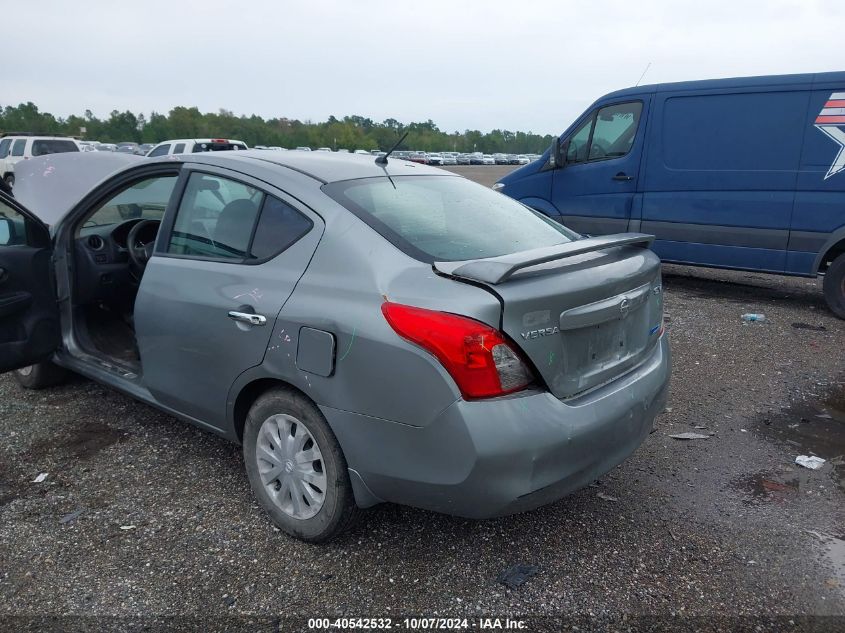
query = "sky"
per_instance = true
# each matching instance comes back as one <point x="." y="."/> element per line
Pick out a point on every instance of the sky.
<point x="527" y="65"/>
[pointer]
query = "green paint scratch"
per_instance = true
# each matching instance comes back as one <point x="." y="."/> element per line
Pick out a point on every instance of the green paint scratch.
<point x="349" y="347"/>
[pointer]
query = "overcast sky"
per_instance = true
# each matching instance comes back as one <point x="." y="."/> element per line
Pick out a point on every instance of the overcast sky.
<point x="480" y="64"/>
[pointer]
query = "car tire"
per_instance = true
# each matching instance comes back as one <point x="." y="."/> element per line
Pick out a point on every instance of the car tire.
<point x="287" y="428"/>
<point x="9" y="179"/>
<point x="40" y="375"/>
<point x="834" y="286"/>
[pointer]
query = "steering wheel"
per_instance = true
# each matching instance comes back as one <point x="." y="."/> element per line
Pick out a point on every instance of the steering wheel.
<point x="141" y="248"/>
<point x="598" y="150"/>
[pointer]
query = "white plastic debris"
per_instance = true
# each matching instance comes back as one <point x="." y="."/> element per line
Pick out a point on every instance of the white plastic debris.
<point x="813" y="463"/>
<point x="689" y="436"/>
<point x="127" y="527"/>
<point x="41" y="477"/>
<point x="605" y="497"/>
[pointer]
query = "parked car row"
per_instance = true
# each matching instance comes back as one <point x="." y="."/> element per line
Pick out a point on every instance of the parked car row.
<point x="14" y="147"/>
<point x="474" y="158"/>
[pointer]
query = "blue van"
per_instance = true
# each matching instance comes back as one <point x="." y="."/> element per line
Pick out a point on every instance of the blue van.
<point x="744" y="173"/>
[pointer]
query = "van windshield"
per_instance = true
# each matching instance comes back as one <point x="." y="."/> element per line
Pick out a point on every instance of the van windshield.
<point x="444" y="218"/>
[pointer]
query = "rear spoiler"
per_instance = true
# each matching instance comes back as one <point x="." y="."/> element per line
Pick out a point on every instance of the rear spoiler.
<point x="496" y="270"/>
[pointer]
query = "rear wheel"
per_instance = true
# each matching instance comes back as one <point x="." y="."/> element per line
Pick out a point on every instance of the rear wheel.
<point x="834" y="286"/>
<point x="296" y="468"/>
<point x="40" y="375"/>
<point x="9" y="179"/>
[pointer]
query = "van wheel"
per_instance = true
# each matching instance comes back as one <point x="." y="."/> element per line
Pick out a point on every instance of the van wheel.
<point x="834" y="286"/>
<point x="9" y="180"/>
<point x="40" y="375"/>
<point x="296" y="468"/>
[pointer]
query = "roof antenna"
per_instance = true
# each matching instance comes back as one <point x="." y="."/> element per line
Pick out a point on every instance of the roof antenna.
<point x="382" y="160"/>
<point x="643" y="75"/>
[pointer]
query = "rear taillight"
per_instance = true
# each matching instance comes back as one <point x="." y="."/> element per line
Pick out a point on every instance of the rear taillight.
<point x="478" y="357"/>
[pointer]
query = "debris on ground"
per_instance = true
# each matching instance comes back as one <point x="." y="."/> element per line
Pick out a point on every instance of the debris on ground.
<point x="751" y="317"/>
<point x="689" y="436"/>
<point x="513" y="577"/>
<point x="807" y="326"/>
<point x="605" y="497"/>
<point x="70" y="517"/>
<point x="811" y="462"/>
<point x="127" y="527"/>
<point x="41" y="477"/>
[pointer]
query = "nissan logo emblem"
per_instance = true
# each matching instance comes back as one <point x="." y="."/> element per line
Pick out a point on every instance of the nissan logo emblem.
<point x="624" y="306"/>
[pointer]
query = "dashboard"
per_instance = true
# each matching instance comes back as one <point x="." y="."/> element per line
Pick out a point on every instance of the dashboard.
<point x="102" y="262"/>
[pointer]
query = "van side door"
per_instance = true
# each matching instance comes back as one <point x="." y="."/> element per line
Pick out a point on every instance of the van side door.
<point x="721" y="173"/>
<point x="594" y="188"/>
<point x="818" y="221"/>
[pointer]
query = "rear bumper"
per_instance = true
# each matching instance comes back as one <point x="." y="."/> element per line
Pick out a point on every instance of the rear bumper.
<point x="495" y="457"/>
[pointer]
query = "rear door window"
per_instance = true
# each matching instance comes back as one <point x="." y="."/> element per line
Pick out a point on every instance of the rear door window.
<point x="436" y="218"/>
<point x="227" y="220"/>
<point x="215" y="218"/>
<point x="53" y="146"/>
<point x="18" y="147"/>
<point x="179" y="148"/>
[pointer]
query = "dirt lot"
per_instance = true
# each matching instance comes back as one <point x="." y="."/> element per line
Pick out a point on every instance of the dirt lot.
<point x="142" y="515"/>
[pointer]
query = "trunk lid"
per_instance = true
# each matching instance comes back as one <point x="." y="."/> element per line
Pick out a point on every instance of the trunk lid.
<point x="584" y="313"/>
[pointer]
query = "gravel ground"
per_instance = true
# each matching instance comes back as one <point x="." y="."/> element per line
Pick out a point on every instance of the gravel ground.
<point x="143" y="516"/>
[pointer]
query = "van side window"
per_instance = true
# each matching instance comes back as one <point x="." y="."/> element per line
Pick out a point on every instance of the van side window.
<point x="18" y="147"/>
<point x="179" y="148"/>
<point x="161" y="150"/>
<point x="610" y="133"/>
<point x="615" y="130"/>
<point x="578" y="148"/>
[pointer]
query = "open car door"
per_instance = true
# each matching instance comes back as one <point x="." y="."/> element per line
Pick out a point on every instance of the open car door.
<point x="29" y="315"/>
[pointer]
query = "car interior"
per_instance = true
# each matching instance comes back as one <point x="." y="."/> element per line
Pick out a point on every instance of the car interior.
<point x="216" y="219"/>
<point x="111" y="246"/>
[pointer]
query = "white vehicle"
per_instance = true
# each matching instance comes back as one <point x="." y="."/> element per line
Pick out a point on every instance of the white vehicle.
<point x="362" y="151"/>
<point x="488" y="159"/>
<point x="194" y="145"/>
<point x="304" y="149"/>
<point x="324" y="149"/>
<point x="523" y="159"/>
<point x="435" y="159"/>
<point x="17" y="147"/>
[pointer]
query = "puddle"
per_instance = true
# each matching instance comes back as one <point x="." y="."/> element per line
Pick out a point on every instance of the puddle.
<point x="765" y="488"/>
<point x="834" y="551"/>
<point x="81" y="442"/>
<point x="813" y="427"/>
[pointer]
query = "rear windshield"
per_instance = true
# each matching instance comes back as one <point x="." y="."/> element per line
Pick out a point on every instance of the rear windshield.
<point x="217" y="147"/>
<point x="40" y="148"/>
<point x="444" y="218"/>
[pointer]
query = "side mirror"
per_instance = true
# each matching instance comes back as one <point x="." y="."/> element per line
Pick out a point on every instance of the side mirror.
<point x="557" y="155"/>
<point x="7" y="230"/>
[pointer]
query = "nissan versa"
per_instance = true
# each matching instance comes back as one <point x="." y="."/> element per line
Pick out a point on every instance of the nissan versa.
<point x="369" y="330"/>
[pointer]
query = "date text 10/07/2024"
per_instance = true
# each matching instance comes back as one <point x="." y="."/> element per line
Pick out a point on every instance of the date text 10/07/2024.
<point x="417" y="624"/>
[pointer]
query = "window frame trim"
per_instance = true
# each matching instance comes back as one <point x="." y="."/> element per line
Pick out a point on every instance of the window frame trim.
<point x="166" y="229"/>
<point x="594" y="117"/>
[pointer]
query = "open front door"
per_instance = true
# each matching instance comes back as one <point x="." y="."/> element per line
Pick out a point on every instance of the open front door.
<point x="29" y="316"/>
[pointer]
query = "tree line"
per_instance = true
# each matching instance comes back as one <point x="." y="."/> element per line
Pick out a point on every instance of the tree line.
<point x="350" y="132"/>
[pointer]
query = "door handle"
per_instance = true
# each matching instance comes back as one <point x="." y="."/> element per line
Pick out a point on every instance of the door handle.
<point x="248" y="317"/>
<point x="623" y="177"/>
